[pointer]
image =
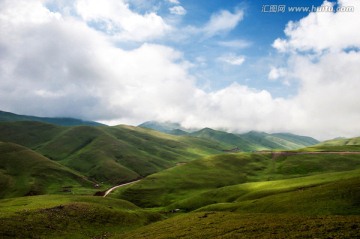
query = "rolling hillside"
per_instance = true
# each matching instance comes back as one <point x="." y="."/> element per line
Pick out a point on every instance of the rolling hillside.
<point x="25" y="172"/>
<point x="108" y="154"/>
<point x="54" y="216"/>
<point x="11" y="117"/>
<point x="181" y="182"/>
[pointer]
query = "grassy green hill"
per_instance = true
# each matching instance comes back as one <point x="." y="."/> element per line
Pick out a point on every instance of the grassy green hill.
<point x="351" y="144"/>
<point x="290" y="194"/>
<point x="69" y="217"/>
<point x="11" y="117"/>
<point x="341" y="142"/>
<point x="329" y="193"/>
<point x="25" y="172"/>
<point x="307" y="193"/>
<point x="181" y="182"/>
<point x="108" y="154"/>
<point x="229" y="225"/>
<point x="309" y="202"/>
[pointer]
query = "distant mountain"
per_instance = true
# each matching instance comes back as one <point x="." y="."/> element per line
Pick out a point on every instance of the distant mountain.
<point x="303" y="140"/>
<point x="166" y="127"/>
<point x="278" y="140"/>
<point x="251" y="141"/>
<point x="231" y="140"/>
<point x="254" y="141"/>
<point x="11" y="117"/>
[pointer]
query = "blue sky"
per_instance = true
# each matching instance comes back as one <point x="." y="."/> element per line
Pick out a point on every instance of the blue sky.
<point x="220" y="64"/>
<point x="257" y="31"/>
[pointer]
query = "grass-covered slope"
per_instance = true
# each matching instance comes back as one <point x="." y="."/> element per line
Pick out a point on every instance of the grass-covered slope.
<point x="181" y="182"/>
<point x="350" y="145"/>
<point x="230" y="225"/>
<point x="108" y="154"/>
<point x="329" y="193"/>
<point x="25" y="172"/>
<point x="324" y="205"/>
<point x="11" y="117"/>
<point x="69" y="217"/>
<point x="341" y="142"/>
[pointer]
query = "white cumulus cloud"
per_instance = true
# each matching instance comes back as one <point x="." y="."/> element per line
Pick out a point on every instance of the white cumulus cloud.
<point x="324" y="59"/>
<point x="232" y="59"/>
<point x="276" y="73"/>
<point x="323" y="30"/>
<point x="177" y="10"/>
<point x="117" y="19"/>
<point x="174" y="1"/>
<point x="222" y="22"/>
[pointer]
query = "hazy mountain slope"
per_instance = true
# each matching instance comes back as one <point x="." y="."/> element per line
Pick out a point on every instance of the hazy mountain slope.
<point x="25" y="172"/>
<point x="108" y="154"/>
<point x="165" y="127"/>
<point x="254" y="141"/>
<point x="231" y="140"/>
<point x="301" y="140"/>
<point x="10" y="117"/>
<point x="264" y="141"/>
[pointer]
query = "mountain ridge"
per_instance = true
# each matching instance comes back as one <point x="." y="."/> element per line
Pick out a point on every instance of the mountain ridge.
<point x="62" y="121"/>
<point x="251" y="141"/>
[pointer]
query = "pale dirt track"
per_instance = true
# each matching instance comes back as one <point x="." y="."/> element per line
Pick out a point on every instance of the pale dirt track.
<point x="118" y="186"/>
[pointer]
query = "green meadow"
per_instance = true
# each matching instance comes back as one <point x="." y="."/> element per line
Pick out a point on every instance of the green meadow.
<point x="191" y="185"/>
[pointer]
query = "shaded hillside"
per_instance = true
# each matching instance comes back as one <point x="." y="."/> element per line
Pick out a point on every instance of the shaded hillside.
<point x="54" y="216"/>
<point x="11" y="117"/>
<point x="108" y="154"/>
<point x="230" y="225"/>
<point x="25" y="172"/>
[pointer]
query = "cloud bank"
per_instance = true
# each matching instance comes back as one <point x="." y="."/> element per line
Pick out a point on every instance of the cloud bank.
<point x="69" y="63"/>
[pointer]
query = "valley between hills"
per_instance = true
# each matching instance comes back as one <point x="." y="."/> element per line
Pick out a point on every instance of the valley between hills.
<point x="199" y="183"/>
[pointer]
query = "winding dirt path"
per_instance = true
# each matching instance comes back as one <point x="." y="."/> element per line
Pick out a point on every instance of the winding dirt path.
<point x="118" y="186"/>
